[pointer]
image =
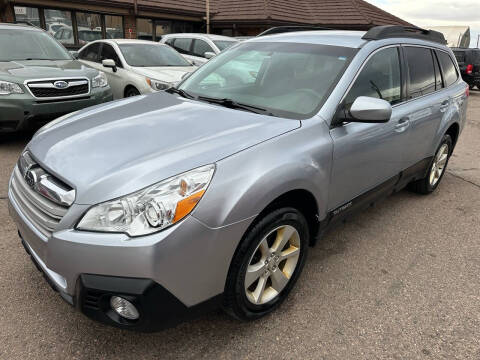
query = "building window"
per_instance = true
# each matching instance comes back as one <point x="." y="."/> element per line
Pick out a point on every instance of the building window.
<point x="114" y="27"/>
<point x="59" y="24"/>
<point x="162" y="28"/>
<point x="144" y="29"/>
<point x="27" y="14"/>
<point x="89" y="27"/>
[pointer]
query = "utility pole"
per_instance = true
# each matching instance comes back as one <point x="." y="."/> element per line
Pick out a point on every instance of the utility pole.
<point x="207" y="3"/>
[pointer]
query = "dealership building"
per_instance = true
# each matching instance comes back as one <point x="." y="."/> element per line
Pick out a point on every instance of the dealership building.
<point x="76" y="22"/>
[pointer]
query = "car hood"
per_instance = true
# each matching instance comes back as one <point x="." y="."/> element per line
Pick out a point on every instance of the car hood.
<point x="44" y="69"/>
<point x="171" y="74"/>
<point x="117" y="148"/>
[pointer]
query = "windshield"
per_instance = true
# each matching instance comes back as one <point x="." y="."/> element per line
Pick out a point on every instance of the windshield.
<point x="289" y="80"/>
<point x="223" y="44"/>
<point x="30" y="45"/>
<point x="151" y="55"/>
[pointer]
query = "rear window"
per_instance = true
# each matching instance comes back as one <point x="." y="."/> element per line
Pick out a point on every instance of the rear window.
<point x="421" y="72"/>
<point x="450" y="74"/>
<point x="460" y="56"/>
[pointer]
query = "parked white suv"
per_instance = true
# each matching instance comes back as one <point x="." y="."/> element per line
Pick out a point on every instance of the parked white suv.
<point x="198" y="48"/>
<point x="135" y="67"/>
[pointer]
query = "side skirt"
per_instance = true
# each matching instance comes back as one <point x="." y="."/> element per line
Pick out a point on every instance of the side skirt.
<point x="373" y="196"/>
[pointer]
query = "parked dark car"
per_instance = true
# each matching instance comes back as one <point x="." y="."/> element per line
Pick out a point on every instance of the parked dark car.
<point x="469" y="63"/>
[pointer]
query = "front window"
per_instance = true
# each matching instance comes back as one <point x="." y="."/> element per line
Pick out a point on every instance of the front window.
<point x="30" y="45"/>
<point x="223" y="44"/>
<point x="379" y="78"/>
<point x="289" y="80"/>
<point x="151" y="55"/>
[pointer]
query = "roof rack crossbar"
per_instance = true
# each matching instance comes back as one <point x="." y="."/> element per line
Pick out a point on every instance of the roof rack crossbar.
<point x="396" y="31"/>
<point x="291" y="28"/>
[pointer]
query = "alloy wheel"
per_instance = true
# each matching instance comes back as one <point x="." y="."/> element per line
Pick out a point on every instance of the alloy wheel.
<point x="272" y="264"/>
<point x="439" y="164"/>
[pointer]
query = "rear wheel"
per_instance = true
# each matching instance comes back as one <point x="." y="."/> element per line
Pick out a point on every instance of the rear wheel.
<point x="436" y="170"/>
<point x="267" y="264"/>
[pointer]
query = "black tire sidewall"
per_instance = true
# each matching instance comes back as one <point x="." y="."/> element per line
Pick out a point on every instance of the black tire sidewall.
<point x="235" y="289"/>
<point x="132" y="92"/>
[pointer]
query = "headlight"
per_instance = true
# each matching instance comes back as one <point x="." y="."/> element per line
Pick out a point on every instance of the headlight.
<point x="158" y="85"/>
<point x="151" y="209"/>
<point x="100" y="80"/>
<point x="7" y="88"/>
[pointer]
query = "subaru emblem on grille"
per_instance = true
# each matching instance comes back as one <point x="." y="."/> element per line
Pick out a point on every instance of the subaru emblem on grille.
<point x="31" y="178"/>
<point x="60" y="84"/>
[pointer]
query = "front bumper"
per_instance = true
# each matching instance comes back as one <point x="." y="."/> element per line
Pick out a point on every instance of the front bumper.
<point x="19" y="110"/>
<point x="158" y="308"/>
<point x="171" y="274"/>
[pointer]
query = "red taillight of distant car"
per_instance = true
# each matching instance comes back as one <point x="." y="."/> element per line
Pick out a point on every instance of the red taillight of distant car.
<point x="469" y="69"/>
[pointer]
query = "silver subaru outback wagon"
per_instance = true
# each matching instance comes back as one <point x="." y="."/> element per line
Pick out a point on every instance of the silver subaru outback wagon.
<point x="149" y="210"/>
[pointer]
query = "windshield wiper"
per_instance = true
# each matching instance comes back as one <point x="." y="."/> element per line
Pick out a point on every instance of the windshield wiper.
<point x="229" y="103"/>
<point x="183" y="93"/>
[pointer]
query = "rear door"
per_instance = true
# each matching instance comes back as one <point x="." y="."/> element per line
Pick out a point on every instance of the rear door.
<point x="368" y="156"/>
<point x="454" y="89"/>
<point x="426" y="101"/>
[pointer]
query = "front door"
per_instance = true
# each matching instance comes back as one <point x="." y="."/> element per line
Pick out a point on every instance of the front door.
<point x="116" y="79"/>
<point x="366" y="155"/>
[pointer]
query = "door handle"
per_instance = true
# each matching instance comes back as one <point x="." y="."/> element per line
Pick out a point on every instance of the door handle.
<point x="402" y="124"/>
<point x="444" y="105"/>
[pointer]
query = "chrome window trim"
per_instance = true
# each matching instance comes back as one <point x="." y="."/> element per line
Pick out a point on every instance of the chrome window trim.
<point x="75" y="79"/>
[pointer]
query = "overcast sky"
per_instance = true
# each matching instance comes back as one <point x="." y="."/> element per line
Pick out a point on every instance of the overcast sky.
<point x="427" y="13"/>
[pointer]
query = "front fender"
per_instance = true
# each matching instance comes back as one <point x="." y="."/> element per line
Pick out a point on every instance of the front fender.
<point x="245" y="183"/>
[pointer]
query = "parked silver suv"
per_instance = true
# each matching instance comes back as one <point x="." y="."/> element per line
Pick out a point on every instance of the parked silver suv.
<point x="150" y="209"/>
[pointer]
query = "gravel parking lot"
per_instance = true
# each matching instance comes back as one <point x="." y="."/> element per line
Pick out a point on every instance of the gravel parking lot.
<point x="399" y="281"/>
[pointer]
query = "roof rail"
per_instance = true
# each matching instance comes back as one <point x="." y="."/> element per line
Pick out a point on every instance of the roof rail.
<point x="395" y="31"/>
<point x="291" y="28"/>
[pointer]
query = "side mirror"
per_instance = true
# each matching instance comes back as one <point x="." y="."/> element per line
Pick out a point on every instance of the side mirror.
<point x="209" y="55"/>
<point x="109" y="63"/>
<point x="74" y="54"/>
<point x="370" y="110"/>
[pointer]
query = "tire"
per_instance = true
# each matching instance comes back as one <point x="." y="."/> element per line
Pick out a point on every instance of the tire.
<point x="426" y="185"/>
<point x="249" y="303"/>
<point x="131" y="91"/>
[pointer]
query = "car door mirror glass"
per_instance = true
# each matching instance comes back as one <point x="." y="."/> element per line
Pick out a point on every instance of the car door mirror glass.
<point x="368" y="109"/>
<point x="209" y="55"/>
<point x="109" y="63"/>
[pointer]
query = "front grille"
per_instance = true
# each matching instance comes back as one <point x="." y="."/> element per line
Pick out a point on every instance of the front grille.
<point x="47" y="89"/>
<point x="43" y="213"/>
<point x="92" y="299"/>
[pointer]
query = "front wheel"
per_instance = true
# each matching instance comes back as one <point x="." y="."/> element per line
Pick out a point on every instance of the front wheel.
<point x="436" y="170"/>
<point x="131" y="91"/>
<point x="267" y="264"/>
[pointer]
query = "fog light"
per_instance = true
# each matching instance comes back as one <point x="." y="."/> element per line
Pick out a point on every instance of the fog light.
<point x="124" y="308"/>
